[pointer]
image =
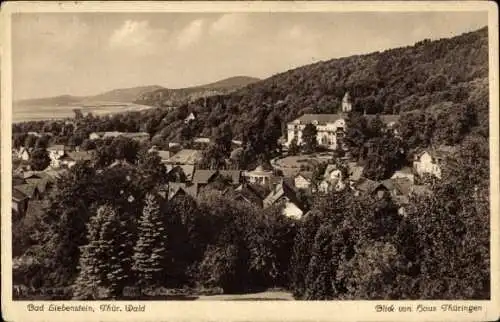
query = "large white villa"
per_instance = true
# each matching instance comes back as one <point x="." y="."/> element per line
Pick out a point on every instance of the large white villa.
<point x="330" y="127"/>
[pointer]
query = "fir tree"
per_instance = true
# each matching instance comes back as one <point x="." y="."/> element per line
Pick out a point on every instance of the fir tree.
<point x="101" y="268"/>
<point x="150" y="250"/>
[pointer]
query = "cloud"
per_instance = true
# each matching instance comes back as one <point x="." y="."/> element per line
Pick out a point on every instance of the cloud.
<point x="137" y="36"/>
<point x="230" y="24"/>
<point x="191" y="34"/>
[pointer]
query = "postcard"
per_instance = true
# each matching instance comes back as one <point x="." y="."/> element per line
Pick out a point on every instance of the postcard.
<point x="250" y="161"/>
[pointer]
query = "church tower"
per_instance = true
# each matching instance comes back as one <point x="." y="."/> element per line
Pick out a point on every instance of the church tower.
<point x="346" y="103"/>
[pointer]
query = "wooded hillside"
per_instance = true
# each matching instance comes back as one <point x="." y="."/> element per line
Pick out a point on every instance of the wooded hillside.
<point x="418" y="77"/>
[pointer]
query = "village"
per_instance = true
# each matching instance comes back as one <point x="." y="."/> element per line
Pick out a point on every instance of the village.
<point x="284" y="180"/>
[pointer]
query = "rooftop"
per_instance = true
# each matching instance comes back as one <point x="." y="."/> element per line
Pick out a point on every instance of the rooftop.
<point x="234" y="175"/>
<point x="185" y="156"/>
<point x="203" y="176"/>
<point x="18" y="195"/>
<point x="56" y="147"/>
<point x="331" y="118"/>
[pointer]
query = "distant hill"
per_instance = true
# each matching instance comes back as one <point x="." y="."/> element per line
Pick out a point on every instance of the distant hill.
<point x="125" y="95"/>
<point x="49" y="101"/>
<point x="153" y="95"/>
<point x="175" y="97"/>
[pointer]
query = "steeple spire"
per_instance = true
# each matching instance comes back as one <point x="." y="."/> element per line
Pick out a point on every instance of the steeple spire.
<point x="346" y="103"/>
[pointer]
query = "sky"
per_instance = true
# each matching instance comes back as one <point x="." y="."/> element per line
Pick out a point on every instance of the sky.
<point x="90" y="53"/>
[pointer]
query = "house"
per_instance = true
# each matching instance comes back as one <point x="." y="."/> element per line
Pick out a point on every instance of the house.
<point x="163" y="154"/>
<point x="237" y="142"/>
<point x="202" y="140"/>
<point x="303" y="180"/>
<point x="189" y="118"/>
<point x="19" y="203"/>
<point x="121" y="164"/>
<point x="260" y="175"/>
<point x="69" y="159"/>
<point x="38" y="135"/>
<point x="29" y="189"/>
<point x="139" y="136"/>
<point x="24" y="153"/>
<point x="204" y="177"/>
<point x="185" y="156"/>
<point x="286" y="196"/>
<point x="176" y="189"/>
<point x="53" y="174"/>
<point x="428" y="163"/>
<point x="250" y="193"/>
<point x="371" y="188"/>
<point x="95" y="135"/>
<point x="355" y="172"/>
<point x="330" y="127"/>
<point x="56" y="152"/>
<point x="180" y="173"/>
<point x="399" y="190"/>
<point x="405" y="172"/>
<point x="43" y="185"/>
<point x="234" y="176"/>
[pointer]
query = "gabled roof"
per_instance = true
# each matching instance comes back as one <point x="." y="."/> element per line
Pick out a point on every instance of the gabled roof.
<point x="281" y="190"/>
<point x="201" y="140"/>
<point x="355" y="173"/>
<point x="80" y="155"/>
<point x="369" y="186"/>
<point x="120" y="163"/>
<point x="187" y="170"/>
<point x="163" y="154"/>
<point x="403" y="185"/>
<point x="290" y="172"/>
<point x="17" y="180"/>
<point x="28" y="189"/>
<point x="18" y="195"/>
<point x="175" y="188"/>
<point x="56" y="147"/>
<point x="405" y="170"/>
<point x="41" y="184"/>
<point x="203" y="176"/>
<point x="185" y="156"/>
<point x="306" y="175"/>
<point x="234" y="175"/>
<point x="247" y="193"/>
<point x="320" y="118"/>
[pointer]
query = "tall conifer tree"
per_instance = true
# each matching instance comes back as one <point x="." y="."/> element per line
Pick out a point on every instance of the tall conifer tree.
<point x="150" y="249"/>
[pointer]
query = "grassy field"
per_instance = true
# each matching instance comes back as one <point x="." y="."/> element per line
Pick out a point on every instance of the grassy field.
<point x="296" y="161"/>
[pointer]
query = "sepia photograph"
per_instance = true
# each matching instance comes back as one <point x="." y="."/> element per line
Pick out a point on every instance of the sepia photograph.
<point x="199" y="155"/>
